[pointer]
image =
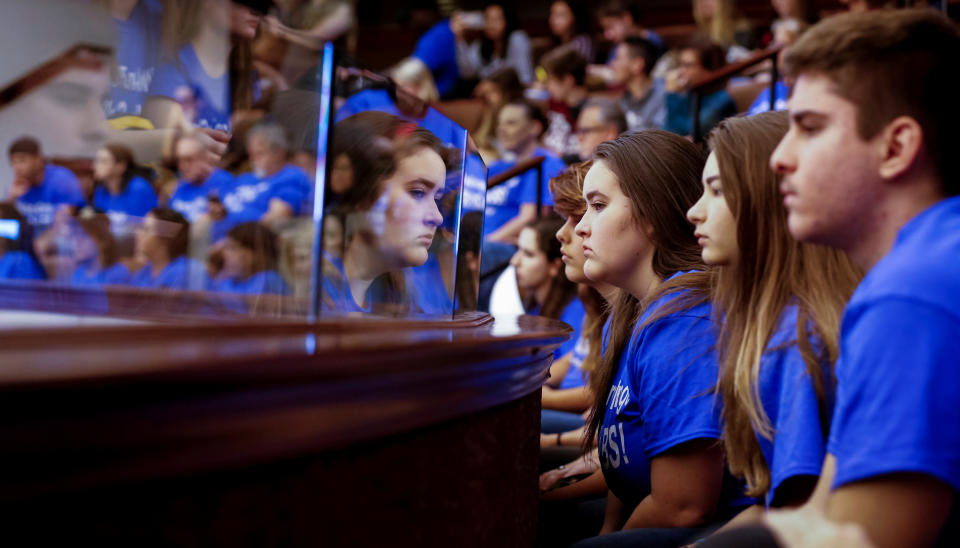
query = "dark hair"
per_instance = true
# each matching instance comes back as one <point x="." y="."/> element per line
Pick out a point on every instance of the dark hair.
<point x="179" y="243"/>
<point x="659" y="173"/>
<point x="639" y="46"/>
<point x="97" y="226"/>
<point x="616" y="8"/>
<point x="533" y="112"/>
<point x="510" y="18"/>
<point x="712" y="56"/>
<point x="565" y="60"/>
<point x="508" y="81"/>
<point x="123" y="154"/>
<point x="581" y="15"/>
<point x="610" y="112"/>
<point x="562" y="290"/>
<point x="892" y="63"/>
<point x="24" y="145"/>
<point x="260" y="240"/>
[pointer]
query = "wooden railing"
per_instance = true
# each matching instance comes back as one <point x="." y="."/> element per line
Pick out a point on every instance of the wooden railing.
<point x="698" y="87"/>
<point x="535" y="163"/>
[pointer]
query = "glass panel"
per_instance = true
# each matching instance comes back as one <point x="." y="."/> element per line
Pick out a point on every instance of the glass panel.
<point x="180" y="146"/>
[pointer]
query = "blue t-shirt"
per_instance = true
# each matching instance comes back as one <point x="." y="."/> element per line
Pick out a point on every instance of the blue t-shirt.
<point x="179" y="274"/>
<point x="265" y="282"/>
<point x="128" y="207"/>
<point x="86" y="275"/>
<point x="20" y="265"/>
<point x="576" y="377"/>
<point x="426" y="288"/>
<point x="571" y="315"/>
<point x="378" y="100"/>
<point x="247" y="197"/>
<point x="661" y="397"/>
<point x="504" y="200"/>
<point x="898" y="379"/>
<point x="59" y="187"/>
<point x="206" y="99"/>
<point x="762" y="102"/>
<point x="713" y="108"/>
<point x="790" y="402"/>
<point x="336" y="295"/>
<point x="138" y="45"/>
<point x="437" y="48"/>
<point x="191" y="199"/>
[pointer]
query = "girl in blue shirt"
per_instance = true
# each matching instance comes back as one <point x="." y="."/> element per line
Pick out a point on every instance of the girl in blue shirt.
<point x="101" y="266"/>
<point x="250" y="262"/>
<point x="161" y="242"/>
<point x="120" y="193"/>
<point x="654" y="416"/>
<point x="778" y="305"/>
<point x="17" y="260"/>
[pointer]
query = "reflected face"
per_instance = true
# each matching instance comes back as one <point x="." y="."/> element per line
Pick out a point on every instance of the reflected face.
<point x="105" y="166"/>
<point x="592" y="130"/>
<point x="243" y="22"/>
<point x="715" y="226"/>
<point x="530" y="262"/>
<point x="148" y="243"/>
<point x="571" y="248"/>
<point x="341" y="176"/>
<point x="65" y="115"/>
<point x="514" y="128"/>
<point x="191" y="161"/>
<point x="494" y="22"/>
<point x="412" y="216"/>
<point x="264" y="158"/>
<point x="237" y="259"/>
<point x="614" y="243"/>
<point x="561" y="19"/>
<point x="27" y="166"/>
<point x="831" y="181"/>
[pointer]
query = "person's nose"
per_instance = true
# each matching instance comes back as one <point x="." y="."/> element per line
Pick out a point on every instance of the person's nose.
<point x="695" y="213"/>
<point x="783" y="160"/>
<point x="433" y="217"/>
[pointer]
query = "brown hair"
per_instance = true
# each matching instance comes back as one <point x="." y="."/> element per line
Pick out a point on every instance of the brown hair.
<point x="24" y="145"/>
<point x="123" y="154"/>
<point x="891" y="63"/>
<point x="659" y="172"/>
<point x="562" y="290"/>
<point x="260" y="240"/>
<point x="773" y="271"/>
<point x="567" y="191"/>
<point x="97" y="226"/>
<point x="179" y="243"/>
<point x="565" y="60"/>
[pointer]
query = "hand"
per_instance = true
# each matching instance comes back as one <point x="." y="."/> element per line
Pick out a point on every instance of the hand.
<point x="20" y="187"/>
<point x="214" y="142"/>
<point x="809" y="528"/>
<point x="216" y="211"/>
<point x="550" y="478"/>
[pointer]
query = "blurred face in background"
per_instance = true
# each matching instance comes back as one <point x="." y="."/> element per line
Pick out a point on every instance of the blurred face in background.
<point x="494" y="22"/>
<point x="237" y="259"/>
<point x="265" y="159"/>
<point x="533" y="269"/>
<point x="191" y="161"/>
<point x="592" y="130"/>
<point x="689" y="67"/>
<point x="561" y="20"/>
<point x="106" y="167"/>
<point x="616" y="28"/>
<point x="515" y="130"/>
<point x="27" y="166"/>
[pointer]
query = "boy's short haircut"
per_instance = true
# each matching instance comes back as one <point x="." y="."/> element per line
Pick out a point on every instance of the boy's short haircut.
<point x="24" y="145"/>
<point x="610" y="112"/>
<point x="616" y="8"/>
<point x="892" y="63"/>
<point x="562" y="61"/>
<point x="532" y="111"/>
<point x="639" y="46"/>
<point x="712" y="55"/>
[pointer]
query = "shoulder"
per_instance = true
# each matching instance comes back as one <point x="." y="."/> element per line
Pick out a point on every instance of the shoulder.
<point x="59" y="174"/>
<point x="139" y="184"/>
<point x="519" y="38"/>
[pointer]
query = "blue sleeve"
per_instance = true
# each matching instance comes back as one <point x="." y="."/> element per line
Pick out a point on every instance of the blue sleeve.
<point x="898" y="385"/>
<point x="291" y="187"/>
<point x="676" y="375"/>
<point x="552" y="166"/>
<point x="428" y="50"/>
<point x="67" y="187"/>
<point x="678" y="114"/>
<point x="799" y="445"/>
<point x="761" y="103"/>
<point x="142" y="197"/>
<point x="572" y="315"/>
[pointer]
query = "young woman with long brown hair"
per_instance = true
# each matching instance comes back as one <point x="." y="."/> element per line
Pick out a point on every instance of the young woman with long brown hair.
<point x="778" y="305"/>
<point x="654" y="415"/>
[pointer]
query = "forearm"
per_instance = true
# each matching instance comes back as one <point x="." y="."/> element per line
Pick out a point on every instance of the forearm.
<point x="571" y="399"/>
<point x="593" y="485"/>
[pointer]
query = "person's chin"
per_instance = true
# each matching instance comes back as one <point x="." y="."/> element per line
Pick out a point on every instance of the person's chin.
<point x="417" y="257"/>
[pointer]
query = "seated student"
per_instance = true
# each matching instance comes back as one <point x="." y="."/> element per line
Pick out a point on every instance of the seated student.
<point x="778" y="306"/>
<point x="566" y="70"/>
<point x="569" y="396"/>
<point x="620" y="19"/>
<point x="99" y="263"/>
<point x="199" y="180"/>
<point x="570" y="26"/>
<point x="437" y="48"/>
<point x="512" y="205"/>
<point x="654" y="414"/>
<point x="274" y="191"/>
<point x="121" y="193"/>
<point x="388" y="212"/>
<point x="17" y="261"/>
<point x="41" y="190"/>
<point x="785" y="32"/>
<point x="644" y="99"/>
<point x="503" y="44"/>
<point x="600" y="120"/>
<point x="541" y="280"/>
<point x="161" y="244"/>
<point x="496" y="90"/>
<point x="696" y="61"/>
<point x="868" y="169"/>
<point x="206" y="80"/>
<point x="250" y="262"/>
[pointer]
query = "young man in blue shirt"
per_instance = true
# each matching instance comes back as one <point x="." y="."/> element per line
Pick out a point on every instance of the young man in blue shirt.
<point x="867" y="169"/>
<point x="40" y="190"/>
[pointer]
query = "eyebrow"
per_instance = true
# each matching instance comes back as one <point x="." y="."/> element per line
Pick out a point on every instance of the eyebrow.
<point x="427" y="182"/>
<point x="594" y="193"/>
<point x="711" y="179"/>
<point x="804" y="114"/>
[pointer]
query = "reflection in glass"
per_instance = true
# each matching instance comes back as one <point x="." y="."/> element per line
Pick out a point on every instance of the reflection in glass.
<point x="470" y="230"/>
<point x="384" y="197"/>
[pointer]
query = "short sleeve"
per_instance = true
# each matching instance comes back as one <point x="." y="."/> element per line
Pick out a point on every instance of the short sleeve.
<point x="142" y="197"/>
<point x="552" y="167"/>
<point x="898" y="387"/>
<point x="676" y="372"/>
<point x="68" y="189"/>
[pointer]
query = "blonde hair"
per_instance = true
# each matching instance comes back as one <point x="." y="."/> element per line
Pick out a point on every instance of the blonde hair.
<point x="773" y="271"/>
<point x="414" y="72"/>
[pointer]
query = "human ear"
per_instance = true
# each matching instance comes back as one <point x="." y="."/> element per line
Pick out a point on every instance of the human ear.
<point x="901" y="140"/>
